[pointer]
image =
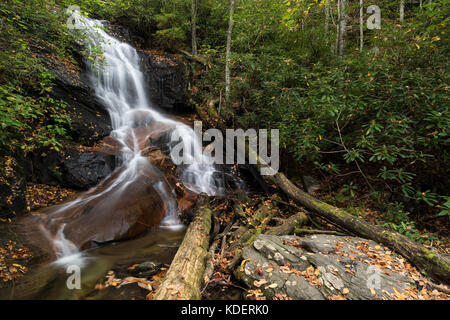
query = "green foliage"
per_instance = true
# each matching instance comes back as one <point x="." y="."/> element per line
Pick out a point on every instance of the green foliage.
<point x="30" y="123"/>
<point x="398" y="220"/>
<point x="29" y="118"/>
<point x="386" y="113"/>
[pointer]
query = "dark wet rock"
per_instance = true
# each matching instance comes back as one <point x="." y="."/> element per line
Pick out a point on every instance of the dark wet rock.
<point x="166" y="80"/>
<point x="146" y="269"/>
<point x="75" y="169"/>
<point x="83" y="170"/>
<point x="338" y="262"/>
<point x="90" y="121"/>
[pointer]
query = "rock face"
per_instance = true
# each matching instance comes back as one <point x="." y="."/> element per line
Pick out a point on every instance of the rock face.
<point x="83" y="170"/>
<point x="166" y="80"/>
<point x="75" y="169"/>
<point x="322" y="267"/>
<point x="89" y="120"/>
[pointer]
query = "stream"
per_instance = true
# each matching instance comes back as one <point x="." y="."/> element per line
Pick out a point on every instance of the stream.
<point x="136" y="203"/>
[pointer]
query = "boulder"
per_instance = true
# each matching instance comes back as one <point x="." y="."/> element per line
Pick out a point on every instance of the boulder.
<point x="121" y="207"/>
<point x="146" y="269"/>
<point x="320" y="267"/>
<point x="75" y="168"/>
<point x="83" y="170"/>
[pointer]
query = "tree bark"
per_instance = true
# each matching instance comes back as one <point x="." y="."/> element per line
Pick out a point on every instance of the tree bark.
<point x="245" y="236"/>
<point x="194" y="26"/>
<point x="342" y="26"/>
<point x="184" y="277"/>
<point x="402" y="10"/>
<point x="433" y="263"/>
<point x="228" y="52"/>
<point x="289" y="225"/>
<point x="361" y="25"/>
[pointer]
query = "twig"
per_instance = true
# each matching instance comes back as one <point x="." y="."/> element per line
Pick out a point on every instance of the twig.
<point x="343" y="145"/>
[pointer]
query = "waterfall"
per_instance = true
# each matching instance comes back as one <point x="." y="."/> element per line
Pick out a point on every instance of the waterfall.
<point x="118" y="81"/>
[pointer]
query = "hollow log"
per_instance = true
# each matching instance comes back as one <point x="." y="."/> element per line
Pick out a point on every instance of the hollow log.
<point x="426" y="259"/>
<point x="184" y="278"/>
<point x="289" y="225"/>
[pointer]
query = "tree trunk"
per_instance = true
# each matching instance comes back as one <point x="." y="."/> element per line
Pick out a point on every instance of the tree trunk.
<point x="429" y="260"/>
<point x="184" y="278"/>
<point x="402" y="10"/>
<point x="361" y="25"/>
<point x="228" y="52"/>
<point x="342" y="26"/>
<point x="194" y="27"/>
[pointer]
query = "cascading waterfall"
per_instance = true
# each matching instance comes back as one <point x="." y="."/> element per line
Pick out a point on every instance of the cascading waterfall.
<point x="120" y="84"/>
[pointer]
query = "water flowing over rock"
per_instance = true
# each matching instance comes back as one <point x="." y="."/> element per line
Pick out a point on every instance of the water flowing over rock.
<point x="136" y="196"/>
<point x="319" y="267"/>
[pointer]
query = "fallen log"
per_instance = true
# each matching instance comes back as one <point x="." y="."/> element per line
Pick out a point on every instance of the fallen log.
<point x="184" y="278"/>
<point x="312" y="231"/>
<point x="245" y="235"/>
<point x="426" y="259"/>
<point x="289" y="225"/>
<point x="210" y="262"/>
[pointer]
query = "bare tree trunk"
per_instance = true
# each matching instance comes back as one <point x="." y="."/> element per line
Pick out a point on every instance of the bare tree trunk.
<point x="361" y="25"/>
<point x="228" y="52"/>
<point x="337" y="25"/>
<point x="194" y="27"/>
<point x="402" y="10"/>
<point x="184" y="277"/>
<point x="342" y="26"/>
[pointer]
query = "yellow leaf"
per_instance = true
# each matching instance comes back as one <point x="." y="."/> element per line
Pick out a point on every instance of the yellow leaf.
<point x="345" y="291"/>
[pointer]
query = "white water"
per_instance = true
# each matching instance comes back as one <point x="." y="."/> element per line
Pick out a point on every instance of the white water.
<point x="120" y="84"/>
